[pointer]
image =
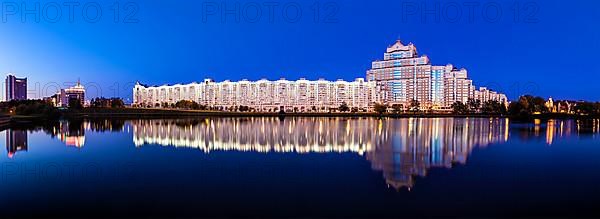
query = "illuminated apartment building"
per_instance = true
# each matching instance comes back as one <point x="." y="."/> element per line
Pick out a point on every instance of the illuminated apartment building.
<point x="16" y="88"/>
<point x="404" y="76"/>
<point x="263" y="95"/>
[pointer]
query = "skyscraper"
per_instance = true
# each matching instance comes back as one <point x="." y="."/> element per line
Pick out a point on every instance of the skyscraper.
<point x="16" y="88"/>
<point x="404" y="76"/>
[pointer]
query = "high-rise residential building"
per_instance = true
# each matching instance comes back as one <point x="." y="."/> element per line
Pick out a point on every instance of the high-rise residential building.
<point x="263" y="95"/>
<point x="64" y="96"/>
<point x="403" y="76"/>
<point x="16" y="88"/>
<point x="76" y="92"/>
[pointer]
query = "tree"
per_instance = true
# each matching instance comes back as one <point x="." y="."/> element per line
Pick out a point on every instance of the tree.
<point x="527" y="105"/>
<point x="516" y="108"/>
<point x="415" y="106"/>
<point x="75" y="103"/>
<point x="380" y="108"/>
<point x="344" y="107"/>
<point x="474" y="105"/>
<point x="493" y="107"/>
<point x="29" y="107"/>
<point x="397" y="108"/>
<point x="117" y="103"/>
<point x="101" y="102"/>
<point x="244" y="108"/>
<point x="459" y="108"/>
<point x="585" y="108"/>
<point x="187" y="104"/>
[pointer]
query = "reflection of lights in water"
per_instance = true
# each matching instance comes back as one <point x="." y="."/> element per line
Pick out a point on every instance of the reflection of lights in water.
<point x="16" y="141"/>
<point x="536" y="128"/>
<point x="550" y="129"/>
<point x="400" y="148"/>
<point x="76" y="141"/>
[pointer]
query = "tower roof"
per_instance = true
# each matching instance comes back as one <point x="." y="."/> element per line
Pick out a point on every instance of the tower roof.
<point x="399" y="46"/>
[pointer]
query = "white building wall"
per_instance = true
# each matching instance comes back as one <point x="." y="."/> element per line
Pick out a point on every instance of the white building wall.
<point x="264" y="95"/>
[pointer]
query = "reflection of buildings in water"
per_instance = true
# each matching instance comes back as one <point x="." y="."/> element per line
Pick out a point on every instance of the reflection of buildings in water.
<point x="72" y="133"/>
<point x="413" y="146"/>
<point x="16" y="140"/>
<point x="105" y="125"/>
<point x="589" y="126"/>
<point x="554" y="129"/>
<point x="400" y="148"/>
<point x="259" y="134"/>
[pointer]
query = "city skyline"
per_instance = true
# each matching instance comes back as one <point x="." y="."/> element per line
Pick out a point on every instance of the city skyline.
<point x="401" y="78"/>
<point x="507" y="56"/>
<point x="299" y="108"/>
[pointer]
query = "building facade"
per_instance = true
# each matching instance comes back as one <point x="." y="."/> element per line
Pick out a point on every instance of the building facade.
<point x="263" y="95"/>
<point x="16" y="88"/>
<point x="404" y="76"/>
<point x="62" y="98"/>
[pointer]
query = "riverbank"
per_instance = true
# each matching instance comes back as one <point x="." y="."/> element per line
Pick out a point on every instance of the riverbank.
<point x="167" y="113"/>
<point x="142" y="113"/>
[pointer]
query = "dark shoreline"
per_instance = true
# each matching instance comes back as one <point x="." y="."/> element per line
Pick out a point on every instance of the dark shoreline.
<point x="136" y="113"/>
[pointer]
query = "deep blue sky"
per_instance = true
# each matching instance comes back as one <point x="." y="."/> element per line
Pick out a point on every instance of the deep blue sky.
<point x="550" y="53"/>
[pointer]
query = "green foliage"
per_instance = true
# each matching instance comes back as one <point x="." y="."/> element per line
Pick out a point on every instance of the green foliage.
<point x="473" y="105"/>
<point x="344" y="107"/>
<point x="587" y="108"/>
<point x="187" y="104"/>
<point x="75" y="104"/>
<point x="493" y="107"/>
<point x="527" y="105"/>
<point x="398" y="108"/>
<point x="415" y="106"/>
<point x="244" y="108"/>
<point x="102" y="102"/>
<point x="460" y="108"/>
<point x="380" y="108"/>
<point x="29" y="107"/>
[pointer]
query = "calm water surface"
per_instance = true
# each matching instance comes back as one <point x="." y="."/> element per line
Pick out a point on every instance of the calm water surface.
<point x="302" y="167"/>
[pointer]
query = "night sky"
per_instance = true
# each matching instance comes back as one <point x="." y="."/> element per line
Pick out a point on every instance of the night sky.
<point x="546" y="48"/>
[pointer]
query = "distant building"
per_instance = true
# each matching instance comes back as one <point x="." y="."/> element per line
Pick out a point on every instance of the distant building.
<point x="551" y="106"/>
<point x="62" y="98"/>
<point x="16" y="88"/>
